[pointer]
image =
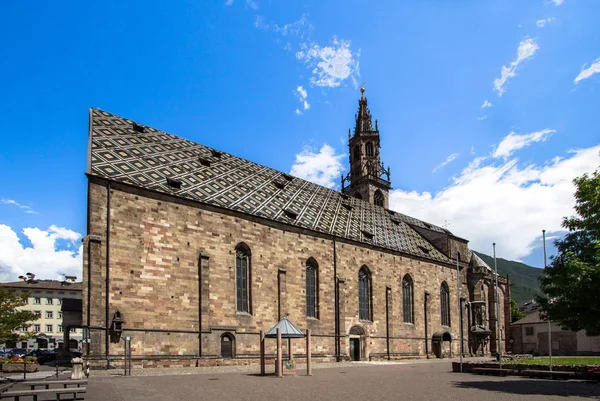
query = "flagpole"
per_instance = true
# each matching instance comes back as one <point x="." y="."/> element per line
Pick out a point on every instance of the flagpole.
<point x="549" y="326"/>
<point x="498" y="310"/>
<point x="460" y="333"/>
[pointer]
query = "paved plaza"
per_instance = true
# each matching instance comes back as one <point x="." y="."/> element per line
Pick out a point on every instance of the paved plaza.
<point x="419" y="380"/>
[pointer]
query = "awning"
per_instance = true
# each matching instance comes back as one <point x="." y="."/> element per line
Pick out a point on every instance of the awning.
<point x="287" y="328"/>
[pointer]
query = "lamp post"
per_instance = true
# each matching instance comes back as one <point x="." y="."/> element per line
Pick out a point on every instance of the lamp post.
<point x="549" y="325"/>
<point x="498" y="310"/>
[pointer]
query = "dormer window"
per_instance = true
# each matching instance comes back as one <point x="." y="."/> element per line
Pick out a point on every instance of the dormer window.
<point x="216" y="153"/>
<point x="278" y="185"/>
<point x="139" y="128"/>
<point x="204" y="162"/>
<point x="174" y="183"/>
<point x="290" y="214"/>
<point x="367" y="234"/>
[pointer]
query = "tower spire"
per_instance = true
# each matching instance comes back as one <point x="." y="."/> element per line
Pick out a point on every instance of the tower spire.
<point x="364" y="123"/>
<point x="368" y="178"/>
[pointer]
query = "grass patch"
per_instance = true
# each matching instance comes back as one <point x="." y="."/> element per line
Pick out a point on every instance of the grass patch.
<point x="559" y="361"/>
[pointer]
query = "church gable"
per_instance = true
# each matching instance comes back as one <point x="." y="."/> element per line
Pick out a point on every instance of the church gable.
<point x="124" y="151"/>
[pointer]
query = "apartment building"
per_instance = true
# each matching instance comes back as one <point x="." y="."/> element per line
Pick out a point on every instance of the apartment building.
<point x="45" y="298"/>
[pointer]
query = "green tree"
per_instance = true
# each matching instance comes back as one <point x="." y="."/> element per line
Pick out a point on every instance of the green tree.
<point x="11" y="318"/>
<point x="515" y="313"/>
<point x="571" y="283"/>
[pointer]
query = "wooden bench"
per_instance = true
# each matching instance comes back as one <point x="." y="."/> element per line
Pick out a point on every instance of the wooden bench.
<point x="547" y="373"/>
<point x="47" y="383"/>
<point x="492" y="371"/>
<point x="5" y="386"/>
<point x="15" y="395"/>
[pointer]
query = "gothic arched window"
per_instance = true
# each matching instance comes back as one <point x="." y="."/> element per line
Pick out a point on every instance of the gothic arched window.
<point x="407" y="300"/>
<point x="445" y="304"/>
<point x="364" y="294"/>
<point x="378" y="198"/>
<point x="356" y="152"/>
<point x="369" y="149"/>
<point x="312" y="288"/>
<point x="242" y="277"/>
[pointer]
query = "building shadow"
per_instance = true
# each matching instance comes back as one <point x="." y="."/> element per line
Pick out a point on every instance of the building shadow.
<point x="535" y="387"/>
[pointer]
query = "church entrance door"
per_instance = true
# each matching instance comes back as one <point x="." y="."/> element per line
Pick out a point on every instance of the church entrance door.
<point x="355" y="349"/>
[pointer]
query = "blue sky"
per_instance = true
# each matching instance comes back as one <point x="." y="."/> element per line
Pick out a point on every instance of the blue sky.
<point x="277" y="83"/>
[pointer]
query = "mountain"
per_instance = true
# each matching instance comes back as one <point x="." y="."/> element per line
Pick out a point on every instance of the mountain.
<point x="524" y="279"/>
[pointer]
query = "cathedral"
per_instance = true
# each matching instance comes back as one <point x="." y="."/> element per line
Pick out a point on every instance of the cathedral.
<point x="192" y="252"/>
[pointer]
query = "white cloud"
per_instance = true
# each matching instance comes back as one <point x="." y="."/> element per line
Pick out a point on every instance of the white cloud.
<point x="302" y="96"/>
<point x="252" y="4"/>
<point x="330" y="65"/>
<point x="43" y="258"/>
<point x="228" y="2"/>
<point x="298" y="112"/>
<point x="486" y="104"/>
<point x="556" y="2"/>
<point x="506" y="203"/>
<point x="542" y="22"/>
<point x="588" y="72"/>
<point x="527" y="49"/>
<point x="323" y="168"/>
<point x="482" y="118"/>
<point x="298" y="29"/>
<point x="12" y="202"/>
<point x="513" y="142"/>
<point x="448" y="160"/>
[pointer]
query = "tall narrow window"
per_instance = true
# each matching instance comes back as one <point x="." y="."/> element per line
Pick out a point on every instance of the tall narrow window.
<point x="407" y="300"/>
<point x="364" y="293"/>
<point x="445" y="304"/>
<point x="369" y="149"/>
<point x="242" y="277"/>
<point x="312" y="288"/>
<point x="357" y="152"/>
<point x="378" y="198"/>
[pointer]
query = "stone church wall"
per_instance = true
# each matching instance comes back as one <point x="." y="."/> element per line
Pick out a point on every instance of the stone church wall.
<point x="172" y="277"/>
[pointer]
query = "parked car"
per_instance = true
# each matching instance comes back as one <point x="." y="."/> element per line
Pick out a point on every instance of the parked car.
<point x="19" y="352"/>
<point x="43" y="355"/>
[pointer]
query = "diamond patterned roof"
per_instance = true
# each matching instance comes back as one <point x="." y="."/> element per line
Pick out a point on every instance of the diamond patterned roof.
<point x="124" y="151"/>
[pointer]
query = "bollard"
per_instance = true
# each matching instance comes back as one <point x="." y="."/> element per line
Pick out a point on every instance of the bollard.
<point x="77" y="373"/>
<point x="262" y="353"/>
<point x="308" y="356"/>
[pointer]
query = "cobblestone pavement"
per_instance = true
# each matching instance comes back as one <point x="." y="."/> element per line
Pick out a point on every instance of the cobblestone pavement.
<point x="409" y="380"/>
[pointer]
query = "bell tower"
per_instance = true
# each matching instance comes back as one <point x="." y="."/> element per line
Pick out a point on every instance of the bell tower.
<point x="368" y="179"/>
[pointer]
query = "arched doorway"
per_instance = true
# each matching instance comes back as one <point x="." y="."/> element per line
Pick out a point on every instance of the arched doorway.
<point x="441" y="344"/>
<point x="357" y="336"/>
<point x="42" y="343"/>
<point x="227" y="346"/>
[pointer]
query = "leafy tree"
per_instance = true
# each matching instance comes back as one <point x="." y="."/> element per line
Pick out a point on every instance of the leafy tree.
<point x="11" y="318"/>
<point x="571" y="283"/>
<point x="515" y="313"/>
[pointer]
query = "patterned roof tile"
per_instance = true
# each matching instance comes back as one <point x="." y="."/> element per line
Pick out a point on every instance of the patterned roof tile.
<point x="146" y="159"/>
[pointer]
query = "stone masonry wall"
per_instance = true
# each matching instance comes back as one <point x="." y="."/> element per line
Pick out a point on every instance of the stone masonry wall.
<point x="172" y="275"/>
